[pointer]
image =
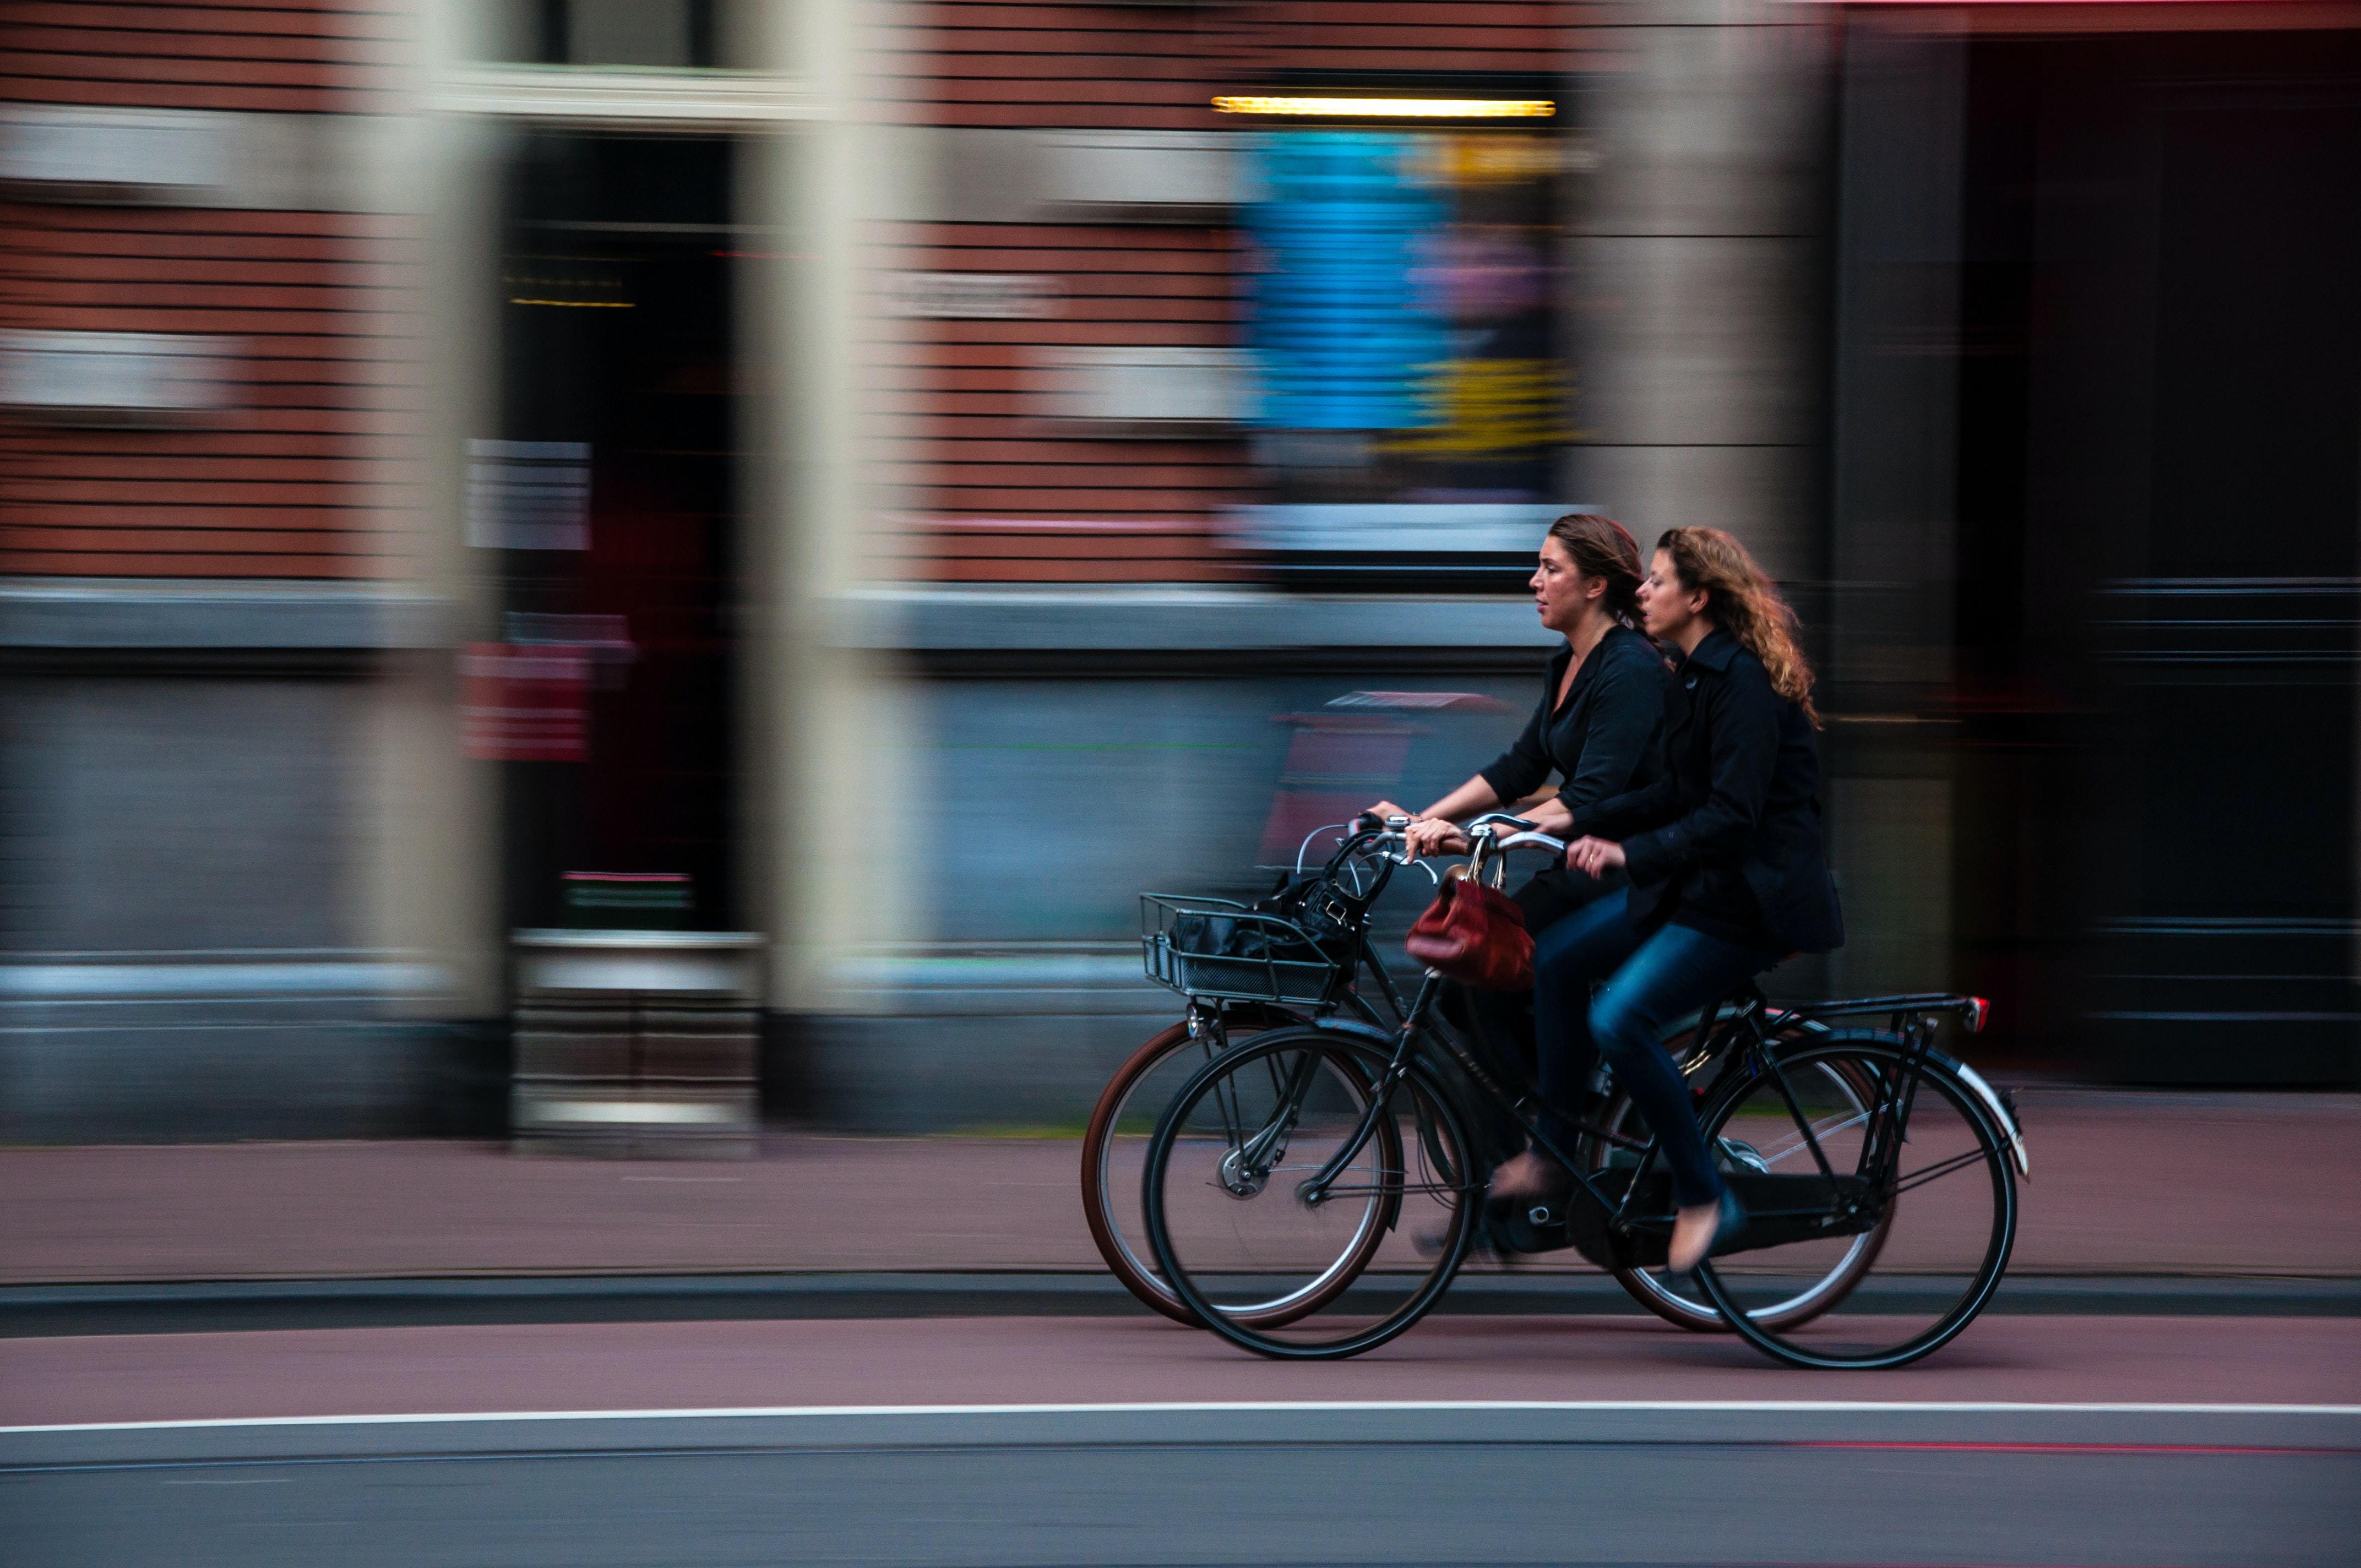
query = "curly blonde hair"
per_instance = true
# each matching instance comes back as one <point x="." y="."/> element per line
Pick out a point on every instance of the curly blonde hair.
<point x="1748" y="603"/>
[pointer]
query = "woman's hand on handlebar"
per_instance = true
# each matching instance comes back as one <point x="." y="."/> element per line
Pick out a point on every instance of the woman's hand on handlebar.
<point x="1593" y="857"/>
<point x="1433" y="836"/>
<point x="1421" y="835"/>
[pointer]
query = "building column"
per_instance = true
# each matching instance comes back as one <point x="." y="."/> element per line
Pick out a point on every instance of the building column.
<point x="1700" y="260"/>
<point x="1697" y="263"/>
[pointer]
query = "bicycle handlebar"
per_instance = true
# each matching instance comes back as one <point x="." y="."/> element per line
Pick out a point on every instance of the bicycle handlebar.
<point x="1494" y="818"/>
<point x="1532" y="839"/>
<point x="1483" y="833"/>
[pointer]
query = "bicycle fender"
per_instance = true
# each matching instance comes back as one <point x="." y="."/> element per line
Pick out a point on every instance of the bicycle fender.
<point x="2003" y="1114"/>
<point x="2002" y="1117"/>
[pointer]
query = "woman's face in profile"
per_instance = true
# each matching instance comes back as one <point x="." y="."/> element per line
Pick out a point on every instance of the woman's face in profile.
<point x="1665" y="600"/>
<point x="1560" y="591"/>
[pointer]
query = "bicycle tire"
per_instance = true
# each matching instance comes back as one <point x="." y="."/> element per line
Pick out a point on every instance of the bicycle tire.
<point x="1357" y="1058"/>
<point x="1938" y="1072"/>
<point x="1099" y="1201"/>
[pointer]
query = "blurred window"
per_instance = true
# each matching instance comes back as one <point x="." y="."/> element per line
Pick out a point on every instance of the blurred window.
<point x="654" y="34"/>
<point x="1411" y="380"/>
<point x="1404" y="323"/>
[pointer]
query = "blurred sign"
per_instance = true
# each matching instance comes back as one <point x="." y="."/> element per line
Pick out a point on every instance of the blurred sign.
<point x="524" y="702"/>
<point x="115" y="153"/>
<point x="970" y="296"/>
<point x="643" y="901"/>
<point x="114" y="376"/>
<point x="1404" y="315"/>
<point x="605" y="640"/>
<point x="529" y="495"/>
<point x="1149" y="388"/>
<point x="1106" y="175"/>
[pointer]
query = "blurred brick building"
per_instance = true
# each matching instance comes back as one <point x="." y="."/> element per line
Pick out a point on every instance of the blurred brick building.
<point x="213" y="329"/>
<point x="874" y="485"/>
<point x="210" y="313"/>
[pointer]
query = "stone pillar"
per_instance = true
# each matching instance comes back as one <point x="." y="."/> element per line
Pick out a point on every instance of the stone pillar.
<point x="1700" y="260"/>
<point x="1697" y="263"/>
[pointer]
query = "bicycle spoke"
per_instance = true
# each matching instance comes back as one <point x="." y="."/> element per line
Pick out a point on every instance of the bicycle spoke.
<point x="1225" y="1099"/>
<point x="1921" y="1177"/>
<point x="1803" y="1122"/>
<point x="1823" y="1131"/>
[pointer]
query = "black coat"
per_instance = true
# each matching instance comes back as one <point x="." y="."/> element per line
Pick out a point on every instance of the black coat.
<point x="1728" y="839"/>
<point x="1605" y="739"/>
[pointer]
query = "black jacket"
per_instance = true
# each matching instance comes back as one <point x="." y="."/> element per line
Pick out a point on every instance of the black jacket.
<point x="1605" y="739"/>
<point x="1728" y="839"/>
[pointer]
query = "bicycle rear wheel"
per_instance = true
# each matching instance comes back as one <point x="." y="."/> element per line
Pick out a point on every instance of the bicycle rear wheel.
<point x="1920" y="1166"/>
<point x="1114" y="1153"/>
<point x="1233" y="1221"/>
<point x="1679" y="1299"/>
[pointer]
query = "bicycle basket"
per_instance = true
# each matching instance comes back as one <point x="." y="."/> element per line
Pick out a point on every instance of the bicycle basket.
<point x="1221" y="948"/>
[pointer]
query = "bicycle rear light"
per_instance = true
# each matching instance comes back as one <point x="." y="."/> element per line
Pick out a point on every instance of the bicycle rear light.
<point x="1979" y="1009"/>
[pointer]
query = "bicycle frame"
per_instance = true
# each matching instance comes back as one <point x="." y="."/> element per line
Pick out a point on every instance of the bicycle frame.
<point x="1741" y="1036"/>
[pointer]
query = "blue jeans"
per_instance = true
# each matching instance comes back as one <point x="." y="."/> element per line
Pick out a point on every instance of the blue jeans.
<point x="1651" y="978"/>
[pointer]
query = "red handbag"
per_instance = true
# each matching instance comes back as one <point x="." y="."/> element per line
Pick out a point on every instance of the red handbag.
<point x="1475" y="935"/>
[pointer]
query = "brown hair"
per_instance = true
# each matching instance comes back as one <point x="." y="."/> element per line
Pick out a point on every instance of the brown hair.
<point x="1747" y="602"/>
<point x="1603" y="548"/>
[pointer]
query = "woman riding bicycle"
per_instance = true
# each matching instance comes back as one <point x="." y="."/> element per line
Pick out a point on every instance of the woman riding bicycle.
<point x="1721" y="859"/>
<point x="1597" y="726"/>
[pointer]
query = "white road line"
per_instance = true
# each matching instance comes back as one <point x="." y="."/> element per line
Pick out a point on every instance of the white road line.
<point x="487" y="1418"/>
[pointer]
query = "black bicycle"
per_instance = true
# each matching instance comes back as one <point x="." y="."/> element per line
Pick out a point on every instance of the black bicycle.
<point x="1300" y="955"/>
<point x="1340" y="1164"/>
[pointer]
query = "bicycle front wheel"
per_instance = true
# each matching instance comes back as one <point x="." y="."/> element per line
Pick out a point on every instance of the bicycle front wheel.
<point x="1114" y="1153"/>
<point x="1919" y="1166"/>
<point x="1290" y="1176"/>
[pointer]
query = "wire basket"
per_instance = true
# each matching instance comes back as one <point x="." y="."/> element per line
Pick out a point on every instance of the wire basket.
<point x="1218" y="948"/>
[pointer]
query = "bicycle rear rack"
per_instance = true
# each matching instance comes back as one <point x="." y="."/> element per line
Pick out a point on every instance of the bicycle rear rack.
<point x="1973" y="1010"/>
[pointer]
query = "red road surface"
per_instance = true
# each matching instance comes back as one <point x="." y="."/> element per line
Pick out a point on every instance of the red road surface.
<point x="1001" y="1361"/>
<point x="2123" y="1183"/>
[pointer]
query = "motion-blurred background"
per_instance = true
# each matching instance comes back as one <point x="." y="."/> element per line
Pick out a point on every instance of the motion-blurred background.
<point x="606" y="568"/>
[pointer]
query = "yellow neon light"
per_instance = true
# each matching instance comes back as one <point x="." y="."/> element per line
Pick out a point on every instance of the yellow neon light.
<point x="1391" y="108"/>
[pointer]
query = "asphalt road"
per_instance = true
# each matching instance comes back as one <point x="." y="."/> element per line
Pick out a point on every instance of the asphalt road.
<point x="1210" y="1485"/>
<point x="2033" y="1441"/>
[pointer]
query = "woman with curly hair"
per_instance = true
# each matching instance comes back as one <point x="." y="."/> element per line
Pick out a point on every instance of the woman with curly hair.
<point x="1722" y="858"/>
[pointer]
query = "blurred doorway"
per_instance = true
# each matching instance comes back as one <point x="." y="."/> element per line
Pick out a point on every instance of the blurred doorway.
<point x="2160" y="531"/>
<point x="608" y="498"/>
